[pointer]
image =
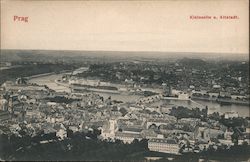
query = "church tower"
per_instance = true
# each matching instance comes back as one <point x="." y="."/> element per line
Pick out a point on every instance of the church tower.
<point x="112" y="127"/>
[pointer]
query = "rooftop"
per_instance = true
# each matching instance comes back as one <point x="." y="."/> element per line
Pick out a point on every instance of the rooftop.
<point x="167" y="141"/>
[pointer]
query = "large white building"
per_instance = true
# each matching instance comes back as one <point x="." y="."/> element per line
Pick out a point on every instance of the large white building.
<point x="164" y="145"/>
<point x="110" y="129"/>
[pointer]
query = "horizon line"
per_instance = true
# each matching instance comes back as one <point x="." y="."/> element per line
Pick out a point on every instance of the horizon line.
<point x="76" y="50"/>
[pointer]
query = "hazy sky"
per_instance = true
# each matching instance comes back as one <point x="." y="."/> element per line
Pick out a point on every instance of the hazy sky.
<point x="126" y="25"/>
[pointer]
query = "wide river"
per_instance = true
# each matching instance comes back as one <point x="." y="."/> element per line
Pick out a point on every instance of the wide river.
<point x="242" y="110"/>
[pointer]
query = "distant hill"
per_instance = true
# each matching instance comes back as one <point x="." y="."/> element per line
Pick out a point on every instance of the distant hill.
<point x="45" y="55"/>
<point x="192" y="62"/>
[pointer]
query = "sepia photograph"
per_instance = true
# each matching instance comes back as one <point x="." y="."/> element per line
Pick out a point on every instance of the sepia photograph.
<point x="125" y="80"/>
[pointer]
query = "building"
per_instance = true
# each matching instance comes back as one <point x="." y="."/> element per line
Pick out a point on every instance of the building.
<point x="149" y="134"/>
<point x="10" y="86"/>
<point x="229" y="115"/>
<point x="167" y="90"/>
<point x="183" y="96"/>
<point x="127" y="137"/>
<point x="202" y="134"/>
<point x="3" y="104"/>
<point x="160" y="121"/>
<point x="4" y="115"/>
<point x="61" y="132"/>
<point x="164" y="145"/>
<point x="108" y="131"/>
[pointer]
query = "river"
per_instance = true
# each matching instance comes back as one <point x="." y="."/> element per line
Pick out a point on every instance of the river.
<point x="242" y="110"/>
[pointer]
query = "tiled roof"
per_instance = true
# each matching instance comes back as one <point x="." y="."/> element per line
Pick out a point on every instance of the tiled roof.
<point x="168" y="141"/>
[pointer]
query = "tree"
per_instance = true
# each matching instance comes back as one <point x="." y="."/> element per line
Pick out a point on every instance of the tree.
<point x="69" y="133"/>
<point x="153" y="126"/>
<point x="235" y="138"/>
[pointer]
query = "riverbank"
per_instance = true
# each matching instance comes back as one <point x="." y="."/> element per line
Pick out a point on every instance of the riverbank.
<point x="213" y="106"/>
<point x="32" y="71"/>
<point x="222" y="101"/>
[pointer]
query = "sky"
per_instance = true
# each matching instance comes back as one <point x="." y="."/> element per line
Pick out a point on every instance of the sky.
<point x="126" y="25"/>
